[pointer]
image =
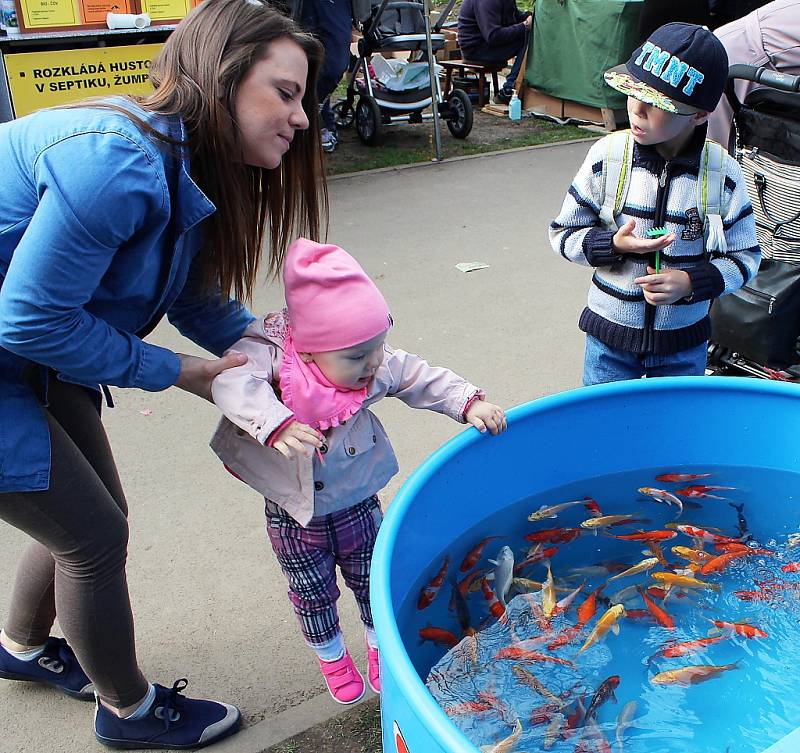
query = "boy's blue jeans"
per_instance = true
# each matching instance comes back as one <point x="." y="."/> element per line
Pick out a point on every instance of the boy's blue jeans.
<point x="604" y="364"/>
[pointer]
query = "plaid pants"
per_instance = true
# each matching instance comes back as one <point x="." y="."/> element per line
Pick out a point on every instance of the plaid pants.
<point x="308" y="557"/>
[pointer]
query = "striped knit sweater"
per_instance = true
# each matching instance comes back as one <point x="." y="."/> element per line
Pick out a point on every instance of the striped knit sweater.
<point x="661" y="193"/>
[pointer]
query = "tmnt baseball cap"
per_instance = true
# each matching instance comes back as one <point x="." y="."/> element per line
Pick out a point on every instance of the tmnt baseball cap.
<point x="681" y="68"/>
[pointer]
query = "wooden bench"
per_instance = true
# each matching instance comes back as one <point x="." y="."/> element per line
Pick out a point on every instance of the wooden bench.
<point x="478" y="70"/>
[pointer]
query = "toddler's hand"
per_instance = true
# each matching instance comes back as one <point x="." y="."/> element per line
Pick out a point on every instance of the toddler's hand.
<point x="668" y="286"/>
<point x="297" y="438"/>
<point x="483" y="416"/>
<point x="625" y="242"/>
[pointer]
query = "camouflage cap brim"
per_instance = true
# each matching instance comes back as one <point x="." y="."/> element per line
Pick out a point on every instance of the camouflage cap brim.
<point x="620" y="79"/>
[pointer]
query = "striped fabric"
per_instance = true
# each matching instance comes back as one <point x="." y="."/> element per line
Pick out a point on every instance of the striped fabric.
<point x="617" y="313"/>
<point x="309" y="556"/>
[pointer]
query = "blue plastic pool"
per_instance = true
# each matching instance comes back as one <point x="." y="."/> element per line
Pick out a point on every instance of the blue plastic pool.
<point x="557" y="442"/>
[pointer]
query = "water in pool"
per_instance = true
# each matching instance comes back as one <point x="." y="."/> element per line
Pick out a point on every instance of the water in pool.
<point x="526" y="681"/>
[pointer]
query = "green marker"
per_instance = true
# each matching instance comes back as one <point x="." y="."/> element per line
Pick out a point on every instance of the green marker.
<point x="657" y="232"/>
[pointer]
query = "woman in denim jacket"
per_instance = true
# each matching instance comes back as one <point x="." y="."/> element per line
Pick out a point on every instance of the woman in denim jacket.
<point x="114" y="213"/>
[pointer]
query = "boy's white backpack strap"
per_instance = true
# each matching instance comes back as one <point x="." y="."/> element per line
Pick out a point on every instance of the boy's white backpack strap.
<point x="616" y="176"/>
<point x="710" y="193"/>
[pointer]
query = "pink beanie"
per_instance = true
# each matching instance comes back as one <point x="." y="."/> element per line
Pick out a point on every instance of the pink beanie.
<point x="332" y="303"/>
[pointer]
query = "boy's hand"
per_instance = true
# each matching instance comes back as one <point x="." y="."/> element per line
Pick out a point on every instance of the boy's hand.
<point x="297" y="438"/>
<point x="668" y="286"/>
<point x="483" y="416"/>
<point x="625" y="242"/>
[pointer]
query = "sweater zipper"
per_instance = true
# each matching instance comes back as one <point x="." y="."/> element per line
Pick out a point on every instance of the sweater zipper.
<point x="648" y="335"/>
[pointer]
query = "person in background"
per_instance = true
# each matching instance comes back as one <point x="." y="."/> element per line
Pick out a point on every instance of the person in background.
<point x="767" y="37"/>
<point x="114" y="213"/>
<point x="298" y="429"/>
<point x="331" y="21"/>
<point x="643" y="321"/>
<point x="493" y="32"/>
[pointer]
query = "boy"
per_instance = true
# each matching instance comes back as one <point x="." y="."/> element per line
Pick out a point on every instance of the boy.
<point x="647" y="312"/>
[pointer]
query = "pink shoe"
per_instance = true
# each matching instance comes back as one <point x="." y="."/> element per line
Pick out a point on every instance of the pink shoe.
<point x="344" y="681"/>
<point x="374" y="668"/>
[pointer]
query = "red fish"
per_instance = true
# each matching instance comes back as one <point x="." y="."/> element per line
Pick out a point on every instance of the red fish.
<point x="721" y="562"/>
<point x="639" y="614"/>
<point x="647" y="536"/>
<point x="474" y="554"/>
<point x="522" y="654"/>
<point x="677" y="478"/>
<point x="467" y="707"/>
<point x="428" y="594"/>
<point x="673" y="650"/>
<point x="753" y="595"/>
<point x="592" y="507"/>
<point x="554" y="535"/>
<point x="661" y="616"/>
<point x="588" y="609"/>
<point x="538" y="556"/>
<point x="496" y="609"/>
<point x="544" y="713"/>
<point x="565" y="637"/>
<point x="792" y="567"/>
<point x="743" y="629"/>
<point x="439" y="636"/>
<point x="701" y="492"/>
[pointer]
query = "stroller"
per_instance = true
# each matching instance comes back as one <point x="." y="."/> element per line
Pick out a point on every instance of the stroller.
<point x="398" y="91"/>
<point x="755" y="330"/>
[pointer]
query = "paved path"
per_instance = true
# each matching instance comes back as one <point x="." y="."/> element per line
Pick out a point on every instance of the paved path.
<point x="208" y="596"/>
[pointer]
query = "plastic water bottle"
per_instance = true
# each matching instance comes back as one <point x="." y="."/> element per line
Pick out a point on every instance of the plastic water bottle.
<point x="514" y="107"/>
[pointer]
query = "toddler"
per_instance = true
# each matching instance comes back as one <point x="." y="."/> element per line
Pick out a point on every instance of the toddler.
<point x="297" y="428"/>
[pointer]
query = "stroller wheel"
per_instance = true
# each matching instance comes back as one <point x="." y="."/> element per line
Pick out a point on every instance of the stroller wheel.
<point x="368" y="120"/>
<point x="459" y="119"/>
<point x="344" y="113"/>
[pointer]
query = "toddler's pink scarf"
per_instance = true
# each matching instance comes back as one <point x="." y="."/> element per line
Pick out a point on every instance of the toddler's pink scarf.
<point x="310" y="396"/>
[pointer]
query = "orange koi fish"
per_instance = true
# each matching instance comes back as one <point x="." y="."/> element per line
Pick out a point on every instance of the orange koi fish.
<point x="743" y="629"/>
<point x="659" y="613"/>
<point x="673" y="650"/>
<point x="588" y="608"/>
<point x="678" y="478"/>
<point x="471" y="582"/>
<point x="428" y="593"/>
<point x="609" y="621"/>
<point x="639" y="614"/>
<point x="474" y="554"/>
<point x="792" y="567"/>
<point x="658" y="553"/>
<point x="702" y="492"/>
<point x="691" y="675"/>
<point x="647" y="536"/>
<point x="594" y="524"/>
<point x="554" y="535"/>
<point x="496" y="609"/>
<point x="564" y="637"/>
<point x="522" y="654"/>
<point x="439" y="636"/>
<point x="754" y="595"/>
<point x="684" y="581"/>
<point x="704" y="535"/>
<point x="721" y="562"/>
<point x="696" y="556"/>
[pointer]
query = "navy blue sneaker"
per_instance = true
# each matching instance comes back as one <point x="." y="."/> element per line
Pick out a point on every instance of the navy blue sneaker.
<point x="57" y="665"/>
<point x="174" y="722"/>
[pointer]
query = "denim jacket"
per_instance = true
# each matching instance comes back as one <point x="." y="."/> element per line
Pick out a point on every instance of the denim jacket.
<point x="359" y="460"/>
<point x="99" y="226"/>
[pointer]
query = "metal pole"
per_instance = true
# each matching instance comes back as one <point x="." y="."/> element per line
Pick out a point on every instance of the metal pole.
<point x="437" y="134"/>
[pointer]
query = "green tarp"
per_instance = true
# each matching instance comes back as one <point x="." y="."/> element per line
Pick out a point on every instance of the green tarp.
<point x="575" y="41"/>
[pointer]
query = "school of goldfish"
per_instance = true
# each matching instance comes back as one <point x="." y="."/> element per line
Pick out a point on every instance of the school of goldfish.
<point x="568" y="613"/>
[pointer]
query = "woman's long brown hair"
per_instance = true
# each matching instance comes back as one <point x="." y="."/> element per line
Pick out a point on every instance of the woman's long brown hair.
<point x="196" y="77"/>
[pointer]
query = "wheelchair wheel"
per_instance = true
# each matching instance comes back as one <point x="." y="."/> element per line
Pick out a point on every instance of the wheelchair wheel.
<point x="344" y="113"/>
<point x="460" y="115"/>
<point x="368" y="121"/>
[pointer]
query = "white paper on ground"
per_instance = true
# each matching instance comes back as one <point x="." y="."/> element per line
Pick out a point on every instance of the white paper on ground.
<point x="471" y="266"/>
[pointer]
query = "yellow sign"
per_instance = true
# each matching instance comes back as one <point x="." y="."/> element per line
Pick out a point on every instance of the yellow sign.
<point x="44" y="79"/>
<point x="159" y="10"/>
<point x="43" y="13"/>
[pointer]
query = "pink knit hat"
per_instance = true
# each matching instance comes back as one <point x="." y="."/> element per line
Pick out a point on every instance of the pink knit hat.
<point x="332" y="303"/>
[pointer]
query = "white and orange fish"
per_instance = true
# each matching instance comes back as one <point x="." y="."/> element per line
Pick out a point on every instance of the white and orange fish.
<point x="663" y="496"/>
<point x="428" y="593"/>
<point x="700" y="491"/>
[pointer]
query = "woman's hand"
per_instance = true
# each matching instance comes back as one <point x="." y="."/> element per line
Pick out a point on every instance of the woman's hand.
<point x="483" y="416"/>
<point x="668" y="286"/>
<point x="197" y="373"/>
<point x="625" y="242"/>
<point x="297" y="438"/>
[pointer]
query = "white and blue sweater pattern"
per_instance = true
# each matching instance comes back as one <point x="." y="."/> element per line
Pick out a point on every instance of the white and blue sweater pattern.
<point x="661" y="193"/>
